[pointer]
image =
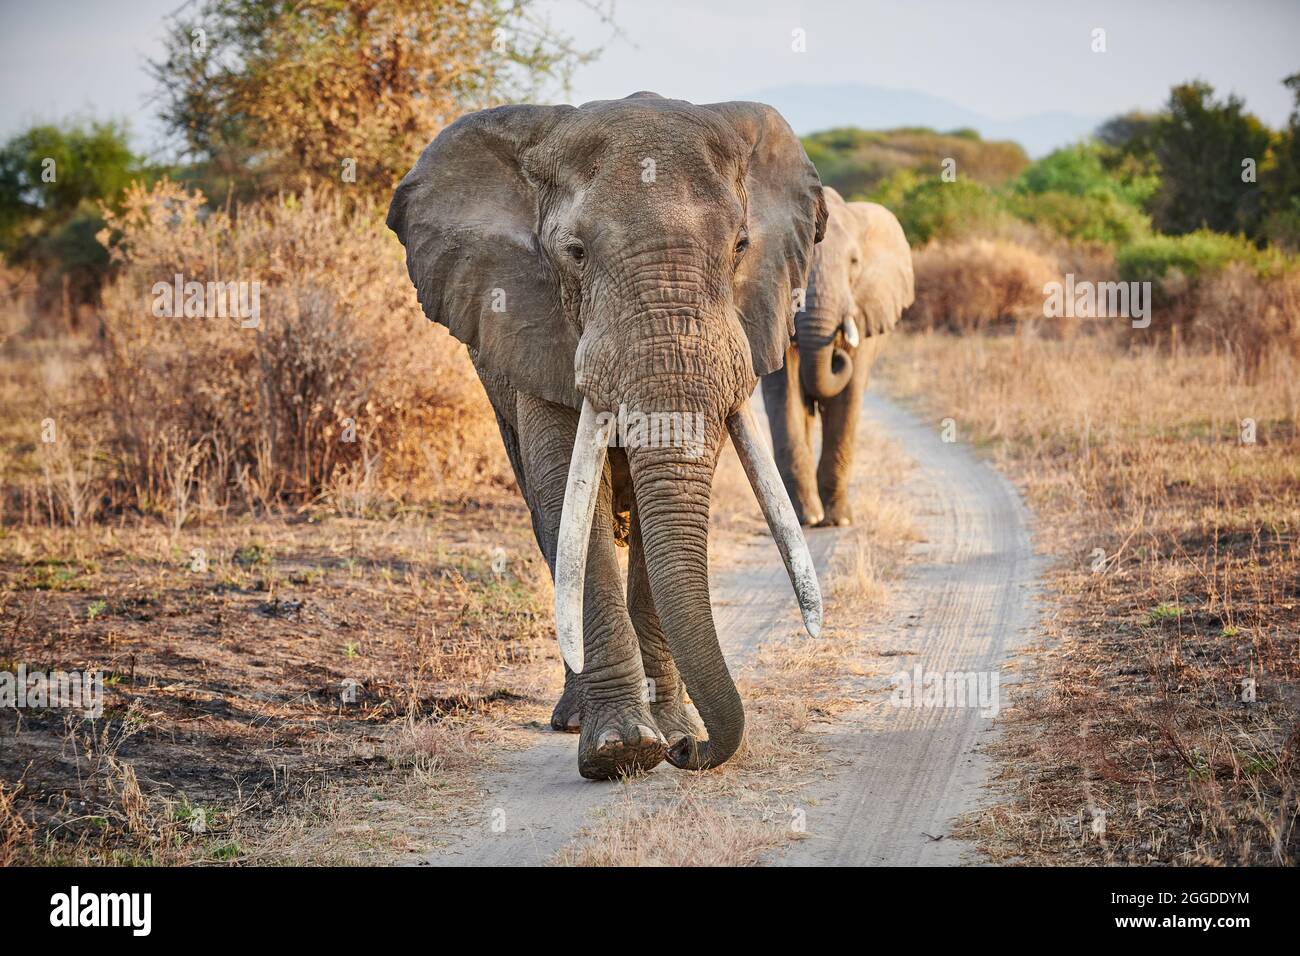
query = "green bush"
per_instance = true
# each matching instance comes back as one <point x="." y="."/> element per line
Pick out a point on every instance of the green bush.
<point x="1079" y="171"/>
<point x="1095" y="218"/>
<point x="892" y="191"/>
<point x="1069" y="193"/>
<point x="1200" y="143"/>
<point x="1194" y="256"/>
<point x="933" y="209"/>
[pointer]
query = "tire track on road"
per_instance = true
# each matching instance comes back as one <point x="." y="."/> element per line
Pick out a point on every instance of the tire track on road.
<point x="905" y="774"/>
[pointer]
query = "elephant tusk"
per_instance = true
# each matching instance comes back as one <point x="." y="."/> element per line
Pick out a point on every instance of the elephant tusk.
<point x="585" y="470"/>
<point x="851" y="332"/>
<point x="779" y="512"/>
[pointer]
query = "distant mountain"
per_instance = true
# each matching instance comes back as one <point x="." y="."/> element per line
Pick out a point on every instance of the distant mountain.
<point x="810" y="109"/>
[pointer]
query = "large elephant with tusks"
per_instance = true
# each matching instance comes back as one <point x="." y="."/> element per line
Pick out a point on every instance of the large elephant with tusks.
<point x="635" y="256"/>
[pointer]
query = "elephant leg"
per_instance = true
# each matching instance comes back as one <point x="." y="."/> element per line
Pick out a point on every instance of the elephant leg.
<point x="567" y="714"/>
<point x="674" y="715"/>
<point x="789" y="417"/>
<point x="840" y="417"/>
<point x="617" y="729"/>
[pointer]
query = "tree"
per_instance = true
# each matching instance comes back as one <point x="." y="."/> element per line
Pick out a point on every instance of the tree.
<point x="268" y="94"/>
<point x="53" y="180"/>
<point x="1281" y="181"/>
<point x="1083" y="170"/>
<point x="1128" y="132"/>
<point x="1126" y="147"/>
<point x="1201" y="145"/>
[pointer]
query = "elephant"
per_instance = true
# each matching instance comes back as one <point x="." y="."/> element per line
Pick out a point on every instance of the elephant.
<point x="624" y="258"/>
<point x="859" y="285"/>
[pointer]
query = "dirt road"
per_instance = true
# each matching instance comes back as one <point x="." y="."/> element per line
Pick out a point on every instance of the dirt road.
<point x="904" y="773"/>
<point x="900" y="774"/>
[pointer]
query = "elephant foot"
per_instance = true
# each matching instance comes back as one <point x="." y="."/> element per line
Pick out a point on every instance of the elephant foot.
<point x="837" y="516"/>
<point x="677" y="719"/>
<point x="809" y="516"/>
<point x="566" y="717"/>
<point x="620" y="742"/>
<point x="689" y="753"/>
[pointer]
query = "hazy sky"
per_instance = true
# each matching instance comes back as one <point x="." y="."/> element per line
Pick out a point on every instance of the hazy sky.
<point x="1002" y="58"/>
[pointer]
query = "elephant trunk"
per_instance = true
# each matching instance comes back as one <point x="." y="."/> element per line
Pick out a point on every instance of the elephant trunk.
<point x="673" y="492"/>
<point x="824" y="368"/>
<point x="672" y="499"/>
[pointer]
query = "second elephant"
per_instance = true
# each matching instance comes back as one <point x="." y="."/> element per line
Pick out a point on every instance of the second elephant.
<point x="859" y="284"/>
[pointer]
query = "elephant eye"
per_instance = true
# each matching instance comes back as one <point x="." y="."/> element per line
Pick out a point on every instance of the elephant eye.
<point x="577" y="252"/>
<point x="742" y="244"/>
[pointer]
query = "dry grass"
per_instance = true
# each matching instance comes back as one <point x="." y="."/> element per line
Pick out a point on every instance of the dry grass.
<point x="1177" y="578"/>
<point x="680" y="829"/>
<point x="15" y="832"/>
<point x="873" y="551"/>
<point x="985" y="282"/>
<point x="424" y="772"/>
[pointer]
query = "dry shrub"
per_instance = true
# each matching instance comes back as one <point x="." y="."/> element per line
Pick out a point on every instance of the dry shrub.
<point x="71" y="481"/>
<point x="976" y="283"/>
<point x="340" y="371"/>
<point x="54" y="462"/>
<point x="1256" y="319"/>
<point x="15" y="832"/>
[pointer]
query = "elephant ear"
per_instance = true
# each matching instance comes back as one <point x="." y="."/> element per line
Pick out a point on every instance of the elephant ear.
<point x="467" y="215"/>
<point x="884" y="285"/>
<point x="787" y="217"/>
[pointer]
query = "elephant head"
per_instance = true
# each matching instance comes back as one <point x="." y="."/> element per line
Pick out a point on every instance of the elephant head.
<point x="637" y="254"/>
<point x="860" y="283"/>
